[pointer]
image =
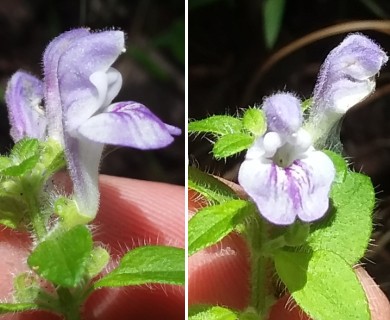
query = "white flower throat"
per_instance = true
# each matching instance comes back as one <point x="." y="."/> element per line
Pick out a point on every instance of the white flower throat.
<point x="283" y="150"/>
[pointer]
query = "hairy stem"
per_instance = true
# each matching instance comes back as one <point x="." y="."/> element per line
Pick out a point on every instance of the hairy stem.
<point x="31" y="194"/>
<point x="261" y="296"/>
<point x="70" y="304"/>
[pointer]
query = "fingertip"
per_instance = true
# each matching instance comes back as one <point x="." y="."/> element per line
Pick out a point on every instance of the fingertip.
<point x="195" y="202"/>
<point x="14" y="246"/>
<point x="378" y="303"/>
<point x="134" y="213"/>
<point x="287" y="309"/>
<point x="219" y="274"/>
<point x="137" y="302"/>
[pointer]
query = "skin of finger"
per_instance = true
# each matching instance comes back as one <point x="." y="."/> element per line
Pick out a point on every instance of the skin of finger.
<point x="147" y="213"/>
<point x="135" y="212"/>
<point x="142" y="213"/>
<point x="199" y="279"/>
<point x="219" y="274"/>
<point x="15" y="246"/>
<point x="379" y="305"/>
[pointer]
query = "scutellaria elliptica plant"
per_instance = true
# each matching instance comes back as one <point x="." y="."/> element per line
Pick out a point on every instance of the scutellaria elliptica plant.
<point x="307" y="220"/>
<point x="64" y="120"/>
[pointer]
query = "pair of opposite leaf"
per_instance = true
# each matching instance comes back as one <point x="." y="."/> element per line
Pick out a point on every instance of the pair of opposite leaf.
<point x="72" y="104"/>
<point x="283" y="173"/>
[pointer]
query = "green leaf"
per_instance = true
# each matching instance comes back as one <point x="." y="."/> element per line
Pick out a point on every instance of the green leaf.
<point x="219" y="125"/>
<point x="307" y="104"/>
<point x="12" y="210"/>
<point x="26" y="287"/>
<point x="5" y="162"/>
<point x="68" y="210"/>
<point x="202" y="312"/>
<point x="15" y="307"/>
<point x="340" y="165"/>
<point x="97" y="261"/>
<point x="22" y="167"/>
<point x="53" y="158"/>
<point x="210" y="224"/>
<point x="254" y="121"/>
<point x="272" y="16"/>
<point x="148" y="264"/>
<point x="10" y="187"/>
<point x="346" y="229"/>
<point x="232" y="144"/>
<point x="62" y="258"/>
<point x="25" y="148"/>
<point x="323" y="284"/>
<point x="24" y="156"/>
<point x="209" y="187"/>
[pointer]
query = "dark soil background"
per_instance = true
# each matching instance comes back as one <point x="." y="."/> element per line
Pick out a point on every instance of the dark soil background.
<point x="230" y="68"/>
<point x="152" y="68"/>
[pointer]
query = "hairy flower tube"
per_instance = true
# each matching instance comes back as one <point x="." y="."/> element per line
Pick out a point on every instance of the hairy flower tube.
<point x="347" y="77"/>
<point x="78" y="87"/>
<point x="282" y="172"/>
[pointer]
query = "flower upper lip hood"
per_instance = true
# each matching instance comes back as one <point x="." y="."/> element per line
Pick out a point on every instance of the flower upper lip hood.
<point x="78" y="88"/>
<point x="284" y="175"/>
<point x="346" y="78"/>
<point x="353" y="63"/>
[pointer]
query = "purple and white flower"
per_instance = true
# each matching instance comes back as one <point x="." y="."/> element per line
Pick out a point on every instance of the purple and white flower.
<point x="282" y="172"/>
<point x="78" y="88"/>
<point x="346" y="78"/>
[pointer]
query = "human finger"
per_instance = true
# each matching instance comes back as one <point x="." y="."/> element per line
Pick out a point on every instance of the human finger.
<point x="135" y="213"/>
<point x="132" y="213"/>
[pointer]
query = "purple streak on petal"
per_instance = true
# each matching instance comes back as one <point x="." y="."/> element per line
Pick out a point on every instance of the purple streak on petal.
<point x="293" y="190"/>
<point x="88" y="55"/>
<point x="51" y="57"/>
<point x="24" y="96"/>
<point x="283" y="194"/>
<point x="320" y="174"/>
<point x="83" y="158"/>
<point x="265" y="183"/>
<point x="128" y="124"/>
<point x="283" y="113"/>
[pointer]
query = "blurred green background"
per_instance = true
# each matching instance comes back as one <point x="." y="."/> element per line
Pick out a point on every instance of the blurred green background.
<point x="243" y="50"/>
<point x="152" y="68"/>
